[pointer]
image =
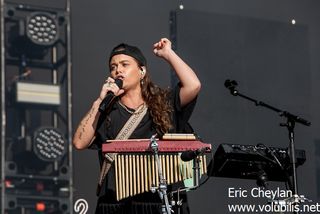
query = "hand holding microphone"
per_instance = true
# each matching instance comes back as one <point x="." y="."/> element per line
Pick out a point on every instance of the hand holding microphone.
<point x="110" y="90"/>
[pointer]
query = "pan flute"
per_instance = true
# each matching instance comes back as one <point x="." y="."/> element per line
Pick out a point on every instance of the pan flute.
<point x="136" y="170"/>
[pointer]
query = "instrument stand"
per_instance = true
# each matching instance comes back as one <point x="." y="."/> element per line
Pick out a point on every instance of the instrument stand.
<point x="196" y="172"/>
<point x="162" y="188"/>
<point x="290" y="124"/>
<point x="196" y="182"/>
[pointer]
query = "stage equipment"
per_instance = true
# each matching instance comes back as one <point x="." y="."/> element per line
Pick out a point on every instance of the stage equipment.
<point x="136" y="166"/>
<point x="36" y="186"/>
<point x="49" y="144"/>
<point x="36" y="93"/>
<point x="36" y="107"/>
<point x="45" y="204"/>
<point x="163" y="184"/>
<point x="42" y="28"/>
<point x="32" y="32"/>
<point x="291" y="120"/>
<point x="250" y="162"/>
<point x="41" y="154"/>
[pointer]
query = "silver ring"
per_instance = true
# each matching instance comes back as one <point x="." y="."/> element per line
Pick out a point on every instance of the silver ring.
<point x="108" y="84"/>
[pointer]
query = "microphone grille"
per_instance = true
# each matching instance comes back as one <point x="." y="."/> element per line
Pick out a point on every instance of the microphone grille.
<point x="119" y="82"/>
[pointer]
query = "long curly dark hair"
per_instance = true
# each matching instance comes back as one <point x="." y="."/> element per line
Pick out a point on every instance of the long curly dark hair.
<point x="156" y="98"/>
<point x="158" y="103"/>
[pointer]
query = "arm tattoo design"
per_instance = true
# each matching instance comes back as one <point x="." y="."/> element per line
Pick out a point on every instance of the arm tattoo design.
<point x="83" y="125"/>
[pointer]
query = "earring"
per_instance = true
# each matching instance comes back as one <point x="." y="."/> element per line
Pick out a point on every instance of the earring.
<point x="142" y="71"/>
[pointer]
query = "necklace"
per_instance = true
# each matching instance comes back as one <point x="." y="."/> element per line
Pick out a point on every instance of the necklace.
<point x="136" y="111"/>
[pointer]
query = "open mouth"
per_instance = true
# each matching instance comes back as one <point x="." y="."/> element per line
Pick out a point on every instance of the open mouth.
<point x="120" y="77"/>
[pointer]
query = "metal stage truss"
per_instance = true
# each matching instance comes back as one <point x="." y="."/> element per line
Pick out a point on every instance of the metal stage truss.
<point x="36" y="116"/>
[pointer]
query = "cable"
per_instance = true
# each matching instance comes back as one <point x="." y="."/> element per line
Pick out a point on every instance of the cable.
<point x="279" y="163"/>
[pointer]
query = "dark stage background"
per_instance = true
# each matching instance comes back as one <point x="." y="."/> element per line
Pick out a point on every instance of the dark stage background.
<point x="270" y="61"/>
<point x="252" y="42"/>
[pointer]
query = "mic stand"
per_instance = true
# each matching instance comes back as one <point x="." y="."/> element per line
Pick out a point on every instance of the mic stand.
<point x="162" y="189"/>
<point x="291" y="120"/>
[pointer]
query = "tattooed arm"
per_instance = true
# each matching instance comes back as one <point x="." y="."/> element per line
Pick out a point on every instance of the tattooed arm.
<point x="85" y="133"/>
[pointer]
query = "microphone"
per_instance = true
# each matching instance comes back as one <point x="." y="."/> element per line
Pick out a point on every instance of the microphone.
<point x="231" y="84"/>
<point x="109" y="99"/>
<point x="189" y="155"/>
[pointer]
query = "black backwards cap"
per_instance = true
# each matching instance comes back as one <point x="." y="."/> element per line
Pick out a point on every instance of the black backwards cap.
<point x="130" y="51"/>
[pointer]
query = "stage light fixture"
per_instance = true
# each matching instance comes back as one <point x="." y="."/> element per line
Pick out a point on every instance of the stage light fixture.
<point x="37" y="94"/>
<point x="49" y="144"/>
<point x="31" y="34"/>
<point x="42" y="28"/>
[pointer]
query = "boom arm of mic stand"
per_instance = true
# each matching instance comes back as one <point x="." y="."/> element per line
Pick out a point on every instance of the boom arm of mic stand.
<point x="281" y="112"/>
